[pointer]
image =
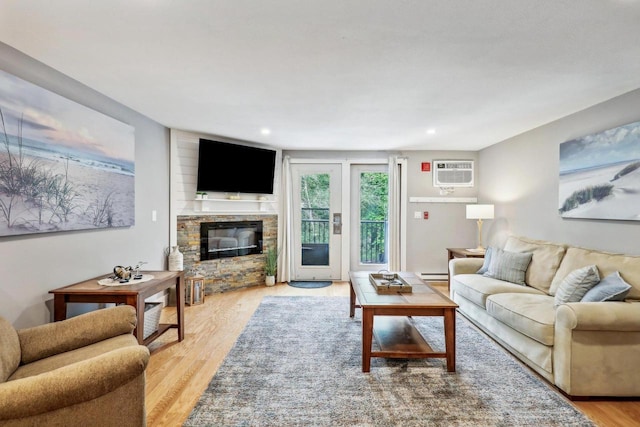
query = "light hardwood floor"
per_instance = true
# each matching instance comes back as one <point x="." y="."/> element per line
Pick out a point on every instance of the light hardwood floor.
<point x="178" y="373"/>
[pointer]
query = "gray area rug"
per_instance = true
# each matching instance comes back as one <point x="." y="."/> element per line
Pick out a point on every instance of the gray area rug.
<point x="298" y="363"/>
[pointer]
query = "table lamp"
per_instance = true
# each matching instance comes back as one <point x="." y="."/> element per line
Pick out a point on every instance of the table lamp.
<point x="480" y="212"/>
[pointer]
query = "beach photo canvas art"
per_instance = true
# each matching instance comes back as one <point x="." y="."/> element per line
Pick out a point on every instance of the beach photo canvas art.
<point x="600" y="175"/>
<point x="63" y="166"/>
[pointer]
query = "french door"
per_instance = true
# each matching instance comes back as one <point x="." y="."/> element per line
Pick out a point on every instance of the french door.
<point x="317" y="221"/>
<point x="369" y="217"/>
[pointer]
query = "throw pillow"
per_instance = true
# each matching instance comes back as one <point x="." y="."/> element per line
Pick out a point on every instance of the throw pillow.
<point x="611" y="288"/>
<point x="509" y="266"/>
<point x="576" y="284"/>
<point x="487" y="261"/>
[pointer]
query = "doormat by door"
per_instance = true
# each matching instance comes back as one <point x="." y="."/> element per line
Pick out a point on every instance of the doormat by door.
<point x="310" y="284"/>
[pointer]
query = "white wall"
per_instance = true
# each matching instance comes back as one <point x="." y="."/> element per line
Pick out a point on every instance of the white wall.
<point x="447" y="226"/>
<point x="520" y="175"/>
<point x="32" y="265"/>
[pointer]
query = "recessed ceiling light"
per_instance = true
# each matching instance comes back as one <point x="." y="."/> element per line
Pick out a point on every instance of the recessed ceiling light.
<point x="265" y="131"/>
<point x="431" y="131"/>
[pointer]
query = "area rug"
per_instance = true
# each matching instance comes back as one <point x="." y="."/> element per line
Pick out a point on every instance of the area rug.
<point x="310" y="284"/>
<point x="298" y="363"/>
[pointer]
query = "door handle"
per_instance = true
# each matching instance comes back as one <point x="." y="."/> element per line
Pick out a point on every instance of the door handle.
<point x="337" y="223"/>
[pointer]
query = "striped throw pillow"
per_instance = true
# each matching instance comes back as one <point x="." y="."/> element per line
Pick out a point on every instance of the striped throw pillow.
<point x="509" y="266"/>
<point x="576" y="284"/>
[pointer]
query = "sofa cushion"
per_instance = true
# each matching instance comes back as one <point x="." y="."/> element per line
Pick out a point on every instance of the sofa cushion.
<point x="508" y="266"/>
<point x="10" y="353"/>
<point x="530" y="314"/>
<point x="476" y="288"/>
<point x="576" y="284"/>
<point x="628" y="266"/>
<point x="611" y="288"/>
<point x="546" y="259"/>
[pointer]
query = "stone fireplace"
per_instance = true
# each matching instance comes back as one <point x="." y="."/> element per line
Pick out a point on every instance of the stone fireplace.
<point x="232" y="246"/>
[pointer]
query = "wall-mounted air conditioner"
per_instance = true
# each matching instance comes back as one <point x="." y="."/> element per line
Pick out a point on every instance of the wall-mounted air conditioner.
<point x="453" y="173"/>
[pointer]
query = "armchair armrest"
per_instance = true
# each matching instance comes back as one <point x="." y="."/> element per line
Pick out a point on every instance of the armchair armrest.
<point x="599" y="316"/>
<point x="465" y="265"/>
<point x="72" y="384"/>
<point x="53" y="338"/>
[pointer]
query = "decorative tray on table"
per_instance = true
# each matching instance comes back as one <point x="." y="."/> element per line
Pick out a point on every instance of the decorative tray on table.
<point x="389" y="283"/>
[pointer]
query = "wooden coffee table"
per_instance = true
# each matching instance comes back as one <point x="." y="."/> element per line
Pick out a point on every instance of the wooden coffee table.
<point x="393" y="328"/>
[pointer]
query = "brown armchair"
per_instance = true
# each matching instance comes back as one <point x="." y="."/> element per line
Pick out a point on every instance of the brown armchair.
<point x="87" y="370"/>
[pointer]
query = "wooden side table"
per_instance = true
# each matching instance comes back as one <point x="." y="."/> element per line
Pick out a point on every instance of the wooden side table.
<point x="460" y="253"/>
<point x="134" y="295"/>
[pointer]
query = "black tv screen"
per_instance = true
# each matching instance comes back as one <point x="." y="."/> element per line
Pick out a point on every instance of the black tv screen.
<point x="234" y="168"/>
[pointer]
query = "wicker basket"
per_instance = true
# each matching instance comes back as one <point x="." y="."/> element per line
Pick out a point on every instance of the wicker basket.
<point x="152" y="312"/>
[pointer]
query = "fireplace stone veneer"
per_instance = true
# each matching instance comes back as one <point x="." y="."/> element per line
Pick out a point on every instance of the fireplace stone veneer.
<point x="226" y="273"/>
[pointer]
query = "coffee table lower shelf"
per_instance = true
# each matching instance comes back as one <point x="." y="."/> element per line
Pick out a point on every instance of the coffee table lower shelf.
<point x="397" y="337"/>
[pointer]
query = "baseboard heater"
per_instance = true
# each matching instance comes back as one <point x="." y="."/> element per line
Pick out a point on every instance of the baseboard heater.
<point x="434" y="277"/>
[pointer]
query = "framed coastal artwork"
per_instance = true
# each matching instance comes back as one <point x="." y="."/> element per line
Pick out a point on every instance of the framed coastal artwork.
<point x="63" y="166"/>
<point x="600" y="175"/>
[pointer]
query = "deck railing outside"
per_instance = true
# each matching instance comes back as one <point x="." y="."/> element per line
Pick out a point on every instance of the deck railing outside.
<point x="373" y="237"/>
<point x="373" y="234"/>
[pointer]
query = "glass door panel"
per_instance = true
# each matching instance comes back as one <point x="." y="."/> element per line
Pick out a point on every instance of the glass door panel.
<point x="369" y="213"/>
<point x="314" y="218"/>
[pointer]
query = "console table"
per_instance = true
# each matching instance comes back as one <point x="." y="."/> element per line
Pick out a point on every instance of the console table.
<point x="134" y="295"/>
<point x="460" y="253"/>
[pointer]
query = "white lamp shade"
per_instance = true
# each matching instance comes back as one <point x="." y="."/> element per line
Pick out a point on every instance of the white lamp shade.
<point x="479" y="211"/>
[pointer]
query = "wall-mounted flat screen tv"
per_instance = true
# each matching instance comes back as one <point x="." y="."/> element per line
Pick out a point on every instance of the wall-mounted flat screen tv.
<point x="235" y="168"/>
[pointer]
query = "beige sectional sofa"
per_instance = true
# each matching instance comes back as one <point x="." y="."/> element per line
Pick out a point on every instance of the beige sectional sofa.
<point x="584" y="348"/>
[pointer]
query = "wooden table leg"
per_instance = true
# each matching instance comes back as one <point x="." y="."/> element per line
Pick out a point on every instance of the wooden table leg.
<point x="180" y="307"/>
<point x="138" y="304"/>
<point x="59" y="308"/>
<point x="449" y="258"/>
<point x="450" y="338"/>
<point x="352" y="301"/>
<point x="367" y="338"/>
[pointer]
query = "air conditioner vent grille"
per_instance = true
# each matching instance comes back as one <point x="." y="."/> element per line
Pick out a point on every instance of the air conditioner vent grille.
<point x="453" y="173"/>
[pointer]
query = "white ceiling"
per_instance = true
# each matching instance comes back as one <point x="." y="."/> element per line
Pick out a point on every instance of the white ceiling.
<point x="341" y="74"/>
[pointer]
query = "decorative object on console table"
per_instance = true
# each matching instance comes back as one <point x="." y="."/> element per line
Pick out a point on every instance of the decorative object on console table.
<point x="480" y="212"/>
<point x="461" y="253"/>
<point x="194" y="289"/>
<point x="122" y="273"/>
<point x="176" y="259"/>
